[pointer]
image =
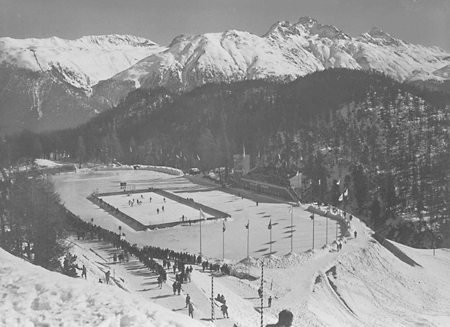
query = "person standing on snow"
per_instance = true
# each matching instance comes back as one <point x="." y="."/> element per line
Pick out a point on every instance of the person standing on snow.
<point x="160" y="281"/>
<point x="191" y="310"/>
<point x="188" y="300"/>
<point x="224" y="309"/>
<point x="178" y="288"/>
<point x="84" y="273"/>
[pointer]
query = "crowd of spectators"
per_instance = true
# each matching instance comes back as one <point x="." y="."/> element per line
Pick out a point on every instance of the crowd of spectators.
<point x="148" y="255"/>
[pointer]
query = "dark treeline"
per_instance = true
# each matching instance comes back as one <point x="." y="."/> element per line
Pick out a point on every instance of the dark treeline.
<point x="391" y="139"/>
<point x="30" y="219"/>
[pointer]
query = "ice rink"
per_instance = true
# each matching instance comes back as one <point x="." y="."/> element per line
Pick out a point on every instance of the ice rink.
<point x="232" y="244"/>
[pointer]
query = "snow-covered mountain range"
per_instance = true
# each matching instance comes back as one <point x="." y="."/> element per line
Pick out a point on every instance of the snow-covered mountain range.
<point x="55" y="83"/>
<point x="82" y="62"/>
<point x="285" y="52"/>
<point x="47" y="84"/>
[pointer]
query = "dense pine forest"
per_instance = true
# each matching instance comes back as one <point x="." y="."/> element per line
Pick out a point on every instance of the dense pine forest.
<point x="387" y="142"/>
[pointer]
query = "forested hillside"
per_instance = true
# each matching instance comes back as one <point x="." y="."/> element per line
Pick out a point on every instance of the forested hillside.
<point x="387" y="141"/>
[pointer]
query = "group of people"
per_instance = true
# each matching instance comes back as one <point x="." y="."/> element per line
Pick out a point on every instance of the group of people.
<point x="176" y="287"/>
<point x="223" y="307"/>
<point x="131" y="202"/>
<point x="224" y="269"/>
<point x="70" y="266"/>
<point x="123" y="256"/>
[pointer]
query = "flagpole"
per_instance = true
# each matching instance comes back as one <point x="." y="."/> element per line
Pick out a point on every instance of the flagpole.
<point x="270" y="241"/>
<point x="292" y="232"/>
<point x="223" y="244"/>
<point x="313" y="232"/>
<point x="318" y="201"/>
<point x="201" y="233"/>
<point x="336" y="229"/>
<point x="326" y="240"/>
<point x="248" y="239"/>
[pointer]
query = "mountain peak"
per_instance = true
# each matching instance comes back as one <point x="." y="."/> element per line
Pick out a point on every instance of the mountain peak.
<point x="282" y="27"/>
<point x="307" y="21"/>
<point x="323" y="31"/>
<point x="377" y="33"/>
<point x="117" y="40"/>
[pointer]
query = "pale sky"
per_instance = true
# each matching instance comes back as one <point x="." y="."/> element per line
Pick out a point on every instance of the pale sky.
<point x="424" y="22"/>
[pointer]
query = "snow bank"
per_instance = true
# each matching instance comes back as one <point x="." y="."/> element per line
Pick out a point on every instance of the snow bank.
<point x="247" y="268"/>
<point x="46" y="163"/>
<point x="371" y="287"/>
<point x="33" y="296"/>
<point x="161" y="169"/>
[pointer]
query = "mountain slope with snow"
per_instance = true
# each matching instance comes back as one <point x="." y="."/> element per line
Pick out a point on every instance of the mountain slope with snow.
<point x="46" y="84"/>
<point x="82" y="62"/>
<point x="285" y="52"/>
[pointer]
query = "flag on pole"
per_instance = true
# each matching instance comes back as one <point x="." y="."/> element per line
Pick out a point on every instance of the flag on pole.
<point x="198" y="158"/>
<point x="346" y="192"/>
<point x="248" y="225"/>
<point x="338" y="182"/>
<point x="312" y="216"/>
<point x="202" y="215"/>
<point x="270" y="225"/>
<point x="341" y="198"/>
<point x="224" y="227"/>
<point x="290" y="209"/>
<point x="319" y="181"/>
<point x="131" y="150"/>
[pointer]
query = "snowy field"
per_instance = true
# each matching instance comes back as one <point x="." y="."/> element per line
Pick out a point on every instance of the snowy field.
<point x="75" y="187"/>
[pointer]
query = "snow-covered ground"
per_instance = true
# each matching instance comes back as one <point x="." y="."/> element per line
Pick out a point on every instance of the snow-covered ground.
<point x="46" y="163"/>
<point x="364" y="284"/>
<point x="33" y="296"/>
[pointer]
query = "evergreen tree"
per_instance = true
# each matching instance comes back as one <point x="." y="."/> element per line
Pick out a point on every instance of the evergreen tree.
<point x="81" y="151"/>
<point x="360" y="186"/>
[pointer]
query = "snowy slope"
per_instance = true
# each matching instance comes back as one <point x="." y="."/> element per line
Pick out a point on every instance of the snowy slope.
<point x="285" y="52"/>
<point x="33" y="296"/>
<point x="82" y="62"/>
